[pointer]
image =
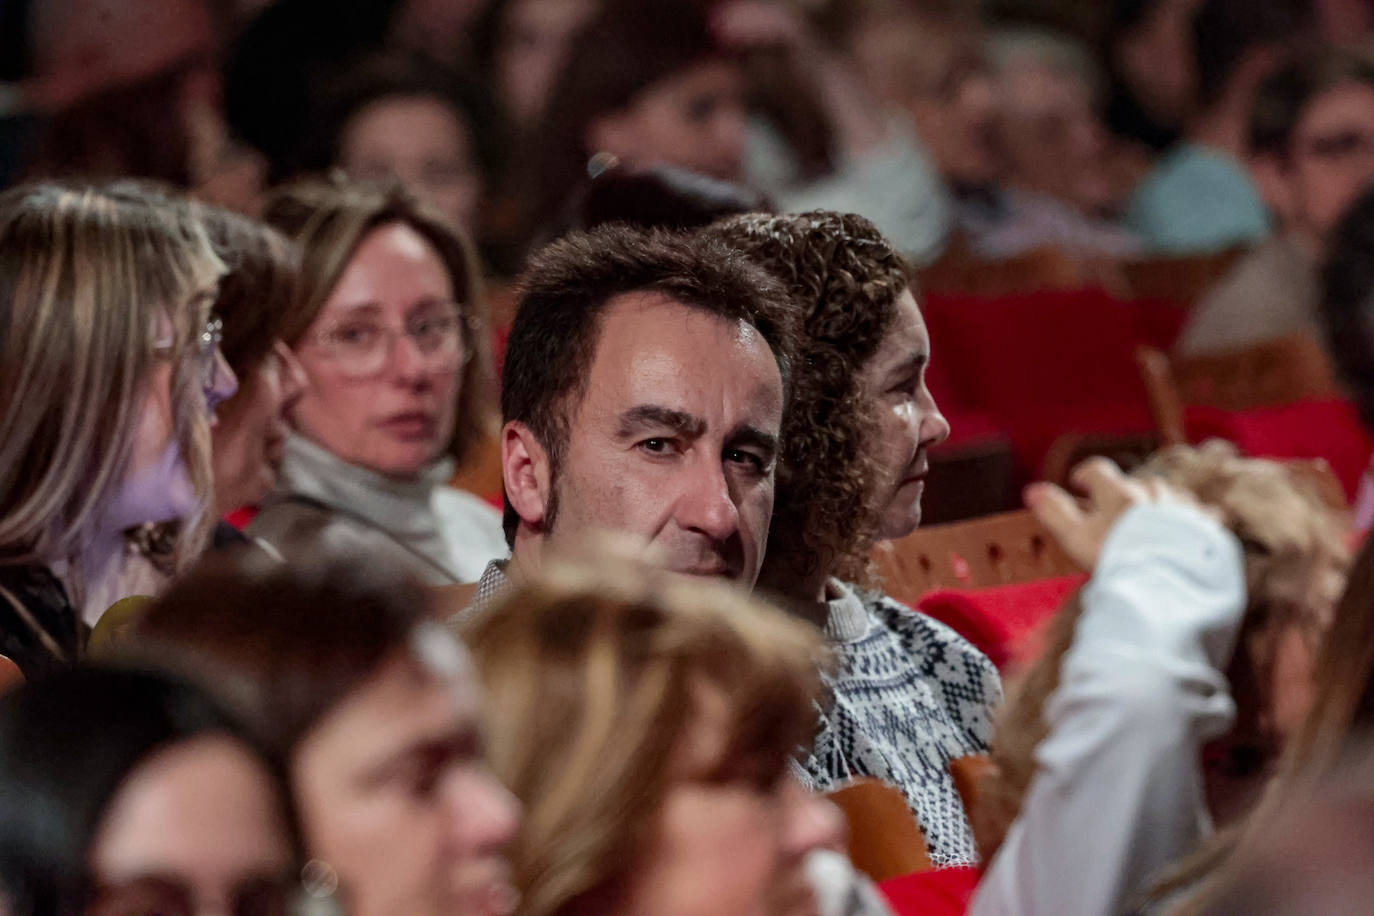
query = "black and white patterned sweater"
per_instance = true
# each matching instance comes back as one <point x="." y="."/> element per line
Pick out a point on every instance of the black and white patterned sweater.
<point x="909" y="696"/>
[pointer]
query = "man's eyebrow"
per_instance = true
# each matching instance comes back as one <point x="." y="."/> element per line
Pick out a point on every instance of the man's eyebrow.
<point x="752" y="435"/>
<point x="652" y="416"/>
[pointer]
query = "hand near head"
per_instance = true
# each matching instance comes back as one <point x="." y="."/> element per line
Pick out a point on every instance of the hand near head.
<point x="1081" y="526"/>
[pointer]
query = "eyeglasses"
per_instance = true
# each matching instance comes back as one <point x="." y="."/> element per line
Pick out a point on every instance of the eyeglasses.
<point x="207" y="349"/>
<point x="362" y="347"/>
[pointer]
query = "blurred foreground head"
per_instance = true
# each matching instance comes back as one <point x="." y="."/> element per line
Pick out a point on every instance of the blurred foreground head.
<point x="647" y="723"/>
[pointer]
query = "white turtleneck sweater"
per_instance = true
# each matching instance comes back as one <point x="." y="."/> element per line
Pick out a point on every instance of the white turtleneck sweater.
<point x="443" y="535"/>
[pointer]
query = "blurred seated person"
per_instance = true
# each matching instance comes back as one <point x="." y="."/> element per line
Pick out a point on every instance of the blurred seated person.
<point x="386" y="324"/>
<point x="1060" y="165"/>
<point x="403" y="119"/>
<point x="1199" y="197"/>
<point x="642" y="393"/>
<point x="521" y="46"/>
<point x="111" y="372"/>
<point x="648" y="724"/>
<point x="1137" y="733"/>
<point x="907" y="695"/>
<point x="254" y="299"/>
<point x="123" y="792"/>
<point x="1313" y="151"/>
<point x="1148" y="51"/>
<point x="929" y="64"/>
<point x="130" y="107"/>
<point x="374" y="710"/>
<point x="675" y="94"/>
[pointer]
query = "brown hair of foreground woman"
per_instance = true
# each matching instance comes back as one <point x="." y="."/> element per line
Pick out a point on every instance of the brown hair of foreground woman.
<point x="647" y="723"/>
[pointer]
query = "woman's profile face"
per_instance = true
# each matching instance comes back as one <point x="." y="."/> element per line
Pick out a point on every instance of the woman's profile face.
<point x="249" y="439"/>
<point x="384" y="357"/>
<point x="909" y="421"/>
<point x="157" y="484"/>
<point x="195" y="828"/>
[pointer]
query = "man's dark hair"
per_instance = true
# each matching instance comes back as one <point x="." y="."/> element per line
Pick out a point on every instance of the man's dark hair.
<point x="1226" y="31"/>
<point x="566" y="288"/>
<point x="1286" y="94"/>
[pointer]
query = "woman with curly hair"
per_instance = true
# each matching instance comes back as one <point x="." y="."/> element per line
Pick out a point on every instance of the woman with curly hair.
<point x="909" y="694"/>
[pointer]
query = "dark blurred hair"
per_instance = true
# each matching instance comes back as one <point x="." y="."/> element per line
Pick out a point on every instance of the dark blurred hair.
<point x="135" y="130"/>
<point x="1286" y="94"/>
<point x="392" y="76"/>
<point x="1347" y="303"/>
<point x="67" y="744"/>
<point x="656" y="197"/>
<point x="626" y="49"/>
<point x="255" y="296"/>
<point x="329" y="219"/>
<point x="553" y="338"/>
<point x="1225" y="31"/>
<point x="287" y="643"/>
<point x="844" y="279"/>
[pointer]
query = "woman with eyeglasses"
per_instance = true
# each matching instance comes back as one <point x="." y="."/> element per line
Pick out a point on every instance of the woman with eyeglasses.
<point x="386" y="325"/>
<point x="109" y="373"/>
<point x="125" y="793"/>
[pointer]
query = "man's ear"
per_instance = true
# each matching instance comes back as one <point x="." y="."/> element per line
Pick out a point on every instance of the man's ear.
<point x="1271" y="177"/>
<point x="526" y="473"/>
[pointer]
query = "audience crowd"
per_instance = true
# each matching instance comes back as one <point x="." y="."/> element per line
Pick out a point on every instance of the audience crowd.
<point x="466" y="457"/>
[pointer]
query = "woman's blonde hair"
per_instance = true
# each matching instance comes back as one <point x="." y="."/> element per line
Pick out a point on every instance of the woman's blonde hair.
<point x="594" y="676"/>
<point x="329" y="218"/>
<point x="1295" y="564"/>
<point x="85" y="277"/>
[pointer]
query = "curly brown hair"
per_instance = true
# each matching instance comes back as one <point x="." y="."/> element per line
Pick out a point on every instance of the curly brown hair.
<point x="845" y="278"/>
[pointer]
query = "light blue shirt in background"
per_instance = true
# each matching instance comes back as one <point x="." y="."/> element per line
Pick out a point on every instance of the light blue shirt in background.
<point x="1197" y="200"/>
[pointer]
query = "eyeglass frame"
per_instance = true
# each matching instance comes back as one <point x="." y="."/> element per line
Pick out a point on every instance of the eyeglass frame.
<point x="207" y="351"/>
<point x="462" y="329"/>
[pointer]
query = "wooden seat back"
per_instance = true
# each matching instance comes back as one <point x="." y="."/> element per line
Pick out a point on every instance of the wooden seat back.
<point x="884" y="839"/>
<point x="1000" y="549"/>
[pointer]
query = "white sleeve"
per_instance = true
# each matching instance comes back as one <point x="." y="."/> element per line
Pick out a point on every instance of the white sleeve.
<point x="1118" y="790"/>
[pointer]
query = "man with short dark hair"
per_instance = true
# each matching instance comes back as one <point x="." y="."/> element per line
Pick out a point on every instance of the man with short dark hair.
<point x="643" y="393"/>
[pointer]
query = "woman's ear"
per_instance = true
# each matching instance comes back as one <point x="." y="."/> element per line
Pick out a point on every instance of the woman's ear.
<point x="526" y="473"/>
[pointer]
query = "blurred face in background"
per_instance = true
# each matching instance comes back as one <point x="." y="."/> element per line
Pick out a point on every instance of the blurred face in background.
<point x="250" y="438"/>
<point x="534" y="41"/>
<point x="194" y="829"/>
<point x="395" y="794"/>
<point x="934" y="70"/>
<point x="694" y="120"/>
<point x="425" y="143"/>
<point x="1155" y="60"/>
<point x="384" y="357"/>
<point x="1330" y="160"/>
<point x="1050" y="136"/>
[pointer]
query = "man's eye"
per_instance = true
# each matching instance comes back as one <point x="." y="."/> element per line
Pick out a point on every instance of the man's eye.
<point x="656" y="446"/>
<point x="755" y="462"/>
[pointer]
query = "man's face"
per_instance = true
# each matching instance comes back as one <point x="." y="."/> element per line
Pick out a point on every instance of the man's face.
<point x="1331" y="157"/>
<point x="674" y="440"/>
